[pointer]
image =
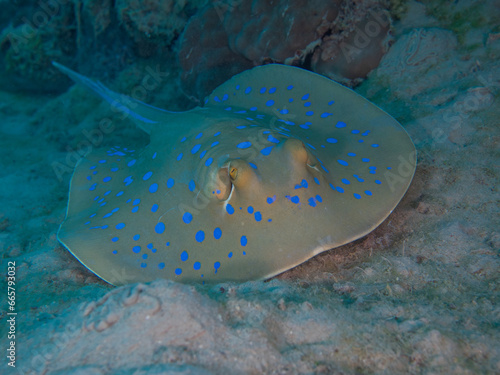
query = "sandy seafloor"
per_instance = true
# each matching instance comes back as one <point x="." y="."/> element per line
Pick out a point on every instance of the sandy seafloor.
<point x="419" y="295"/>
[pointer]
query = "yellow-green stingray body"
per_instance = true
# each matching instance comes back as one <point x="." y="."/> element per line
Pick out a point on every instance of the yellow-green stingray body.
<point x="279" y="165"/>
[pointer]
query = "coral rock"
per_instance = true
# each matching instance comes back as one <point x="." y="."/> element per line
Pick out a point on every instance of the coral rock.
<point x="227" y="38"/>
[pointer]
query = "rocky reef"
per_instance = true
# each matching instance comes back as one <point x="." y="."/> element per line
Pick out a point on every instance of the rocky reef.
<point x="343" y="40"/>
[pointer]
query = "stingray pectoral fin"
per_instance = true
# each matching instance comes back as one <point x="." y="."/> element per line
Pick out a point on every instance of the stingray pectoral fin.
<point x="144" y="115"/>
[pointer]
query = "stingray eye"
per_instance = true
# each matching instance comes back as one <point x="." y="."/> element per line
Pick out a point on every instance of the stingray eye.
<point x="233" y="173"/>
<point x="223" y="186"/>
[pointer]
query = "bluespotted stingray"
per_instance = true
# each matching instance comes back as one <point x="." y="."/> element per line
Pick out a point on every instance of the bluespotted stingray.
<point x="279" y="165"/>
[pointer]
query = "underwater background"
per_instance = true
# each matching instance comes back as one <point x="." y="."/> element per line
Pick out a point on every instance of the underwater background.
<point x="417" y="295"/>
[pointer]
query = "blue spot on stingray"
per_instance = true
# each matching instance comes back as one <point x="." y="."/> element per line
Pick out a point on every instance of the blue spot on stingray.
<point x="309" y="113"/>
<point x="178" y="271"/>
<point x="195" y="149"/>
<point x="217" y="233"/>
<point x="179" y="157"/>
<point x="153" y="188"/>
<point x="295" y="199"/>
<point x="351" y="154"/>
<point x="307" y="104"/>
<point x="252" y="165"/>
<point x="243" y="241"/>
<point x="266" y="151"/>
<point x="270" y="138"/>
<point x="191" y="185"/>
<point x="375" y="145"/>
<point x="198" y="136"/>
<point x="136" y="249"/>
<point x="368" y="192"/>
<point x="378" y="182"/>
<point x="92" y="188"/>
<point x="289" y="87"/>
<point x="269" y="103"/>
<point x="147" y="175"/>
<point x="106" y="179"/>
<point x="184" y="256"/>
<point x="216" y="266"/>
<point x="161" y="265"/>
<point x="305" y="97"/>
<point x="203" y="154"/>
<point x="93" y="167"/>
<point x="229" y="209"/>
<point x="170" y="183"/>
<point x="366" y="160"/>
<point x="149" y="246"/>
<point x="136" y="237"/>
<point x="269" y="200"/>
<point x="331" y="140"/>
<point x="319" y="199"/>
<point x="114" y="239"/>
<point x="316" y="180"/>
<point x="200" y="236"/>
<point x="216" y="134"/>
<point x="135" y="209"/>
<point x="346" y="181"/>
<point x="253" y="108"/>
<point x="339" y="189"/>
<point x="272" y="90"/>
<point x="250" y="209"/>
<point x="160" y="228"/>
<point x="244" y="145"/>
<point x="214" y="144"/>
<point x="131" y="162"/>
<point x="154" y="156"/>
<point x="340" y="124"/>
<point x="360" y="141"/>
<point x="209" y="161"/>
<point x="136" y="201"/>
<point x="144" y="256"/>
<point x="115" y="169"/>
<point x="355" y="131"/>
<point x="258" y="216"/>
<point x="241" y="127"/>
<point x="187" y="217"/>
<point x="263" y="90"/>
<point x="120" y="226"/>
<point x="154" y="208"/>
<point x="290" y="100"/>
<point x="284" y="111"/>
<point x="312" y="203"/>
<point x="230" y="255"/>
<point x="183" y="139"/>
<point x="343" y="162"/>
<point x="89" y="178"/>
<point x="310" y="145"/>
<point x="331" y="102"/>
<point x="196" y="265"/>
<point x="366" y="132"/>
<point x="357" y="196"/>
<point x="248" y="90"/>
<point x="326" y="114"/>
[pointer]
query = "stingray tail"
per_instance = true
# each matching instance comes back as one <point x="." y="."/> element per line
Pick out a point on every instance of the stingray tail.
<point x="144" y="115"/>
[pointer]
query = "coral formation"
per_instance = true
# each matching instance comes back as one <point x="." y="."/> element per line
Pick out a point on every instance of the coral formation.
<point x="152" y="24"/>
<point x="340" y="39"/>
